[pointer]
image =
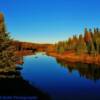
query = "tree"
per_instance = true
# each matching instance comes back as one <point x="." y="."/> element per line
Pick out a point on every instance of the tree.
<point x="87" y="37"/>
<point x="60" y="47"/>
<point x="7" y="57"/>
<point x="81" y="45"/>
<point x="88" y="40"/>
<point x="89" y="43"/>
<point x="96" y="40"/>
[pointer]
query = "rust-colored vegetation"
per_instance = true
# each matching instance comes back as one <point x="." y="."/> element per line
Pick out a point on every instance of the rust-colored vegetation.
<point x="84" y="48"/>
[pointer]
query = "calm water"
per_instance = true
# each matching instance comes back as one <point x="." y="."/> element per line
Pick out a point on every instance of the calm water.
<point x="60" y="80"/>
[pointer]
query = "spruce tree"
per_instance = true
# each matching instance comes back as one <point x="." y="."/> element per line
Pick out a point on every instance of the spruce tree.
<point x="81" y="45"/>
<point x="7" y="57"/>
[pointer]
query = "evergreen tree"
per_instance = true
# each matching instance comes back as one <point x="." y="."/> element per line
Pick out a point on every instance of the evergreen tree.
<point x="96" y="40"/>
<point x="60" y="47"/>
<point x="89" y="43"/>
<point x="7" y="57"/>
<point x="88" y="40"/>
<point x="81" y="45"/>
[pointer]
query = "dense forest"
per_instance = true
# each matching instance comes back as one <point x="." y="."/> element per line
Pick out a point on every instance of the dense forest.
<point x="88" y="43"/>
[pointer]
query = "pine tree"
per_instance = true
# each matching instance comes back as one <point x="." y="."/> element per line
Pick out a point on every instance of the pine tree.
<point x="96" y="40"/>
<point x="81" y="45"/>
<point x="88" y="40"/>
<point x="7" y="57"/>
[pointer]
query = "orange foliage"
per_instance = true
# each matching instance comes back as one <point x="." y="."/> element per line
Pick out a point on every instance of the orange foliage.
<point x="88" y="37"/>
<point x="1" y="17"/>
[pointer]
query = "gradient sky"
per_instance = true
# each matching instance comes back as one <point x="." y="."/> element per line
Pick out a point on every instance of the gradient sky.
<point x="49" y="20"/>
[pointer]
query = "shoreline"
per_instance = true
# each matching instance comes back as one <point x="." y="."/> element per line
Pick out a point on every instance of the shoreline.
<point x="74" y="58"/>
<point x="69" y="56"/>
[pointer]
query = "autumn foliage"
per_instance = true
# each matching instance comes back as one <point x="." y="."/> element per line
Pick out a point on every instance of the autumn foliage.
<point x="89" y="43"/>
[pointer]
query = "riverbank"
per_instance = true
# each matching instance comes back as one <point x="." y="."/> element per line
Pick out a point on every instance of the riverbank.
<point x="21" y="54"/>
<point x="69" y="56"/>
<point x="75" y="58"/>
<point x="24" y="53"/>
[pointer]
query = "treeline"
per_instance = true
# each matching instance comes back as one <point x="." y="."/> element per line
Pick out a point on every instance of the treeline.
<point x="88" y="43"/>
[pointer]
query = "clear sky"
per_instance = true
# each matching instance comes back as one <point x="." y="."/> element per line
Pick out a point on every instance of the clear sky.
<point x="49" y="20"/>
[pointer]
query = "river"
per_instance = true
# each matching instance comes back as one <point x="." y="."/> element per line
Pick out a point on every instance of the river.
<point x="61" y="80"/>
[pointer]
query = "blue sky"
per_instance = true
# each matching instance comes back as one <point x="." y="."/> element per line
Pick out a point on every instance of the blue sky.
<point x="49" y="20"/>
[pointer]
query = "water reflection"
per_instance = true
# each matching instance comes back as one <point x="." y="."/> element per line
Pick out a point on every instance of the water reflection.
<point x="44" y="72"/>
<point x="89" y="71"/>
<point x="12" y="84"/>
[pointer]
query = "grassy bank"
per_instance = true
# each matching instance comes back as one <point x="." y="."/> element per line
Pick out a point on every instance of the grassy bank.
<point x="73" y="57"/>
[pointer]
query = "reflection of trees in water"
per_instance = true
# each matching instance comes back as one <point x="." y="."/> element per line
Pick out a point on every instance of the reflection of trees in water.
<point x="20" y="60"/>
<point x="12" y="84"/>
<point x="89" y="71"/>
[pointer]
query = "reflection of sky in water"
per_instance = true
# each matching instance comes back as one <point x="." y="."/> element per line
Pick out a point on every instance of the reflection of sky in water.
<point x="44" y="72"/>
